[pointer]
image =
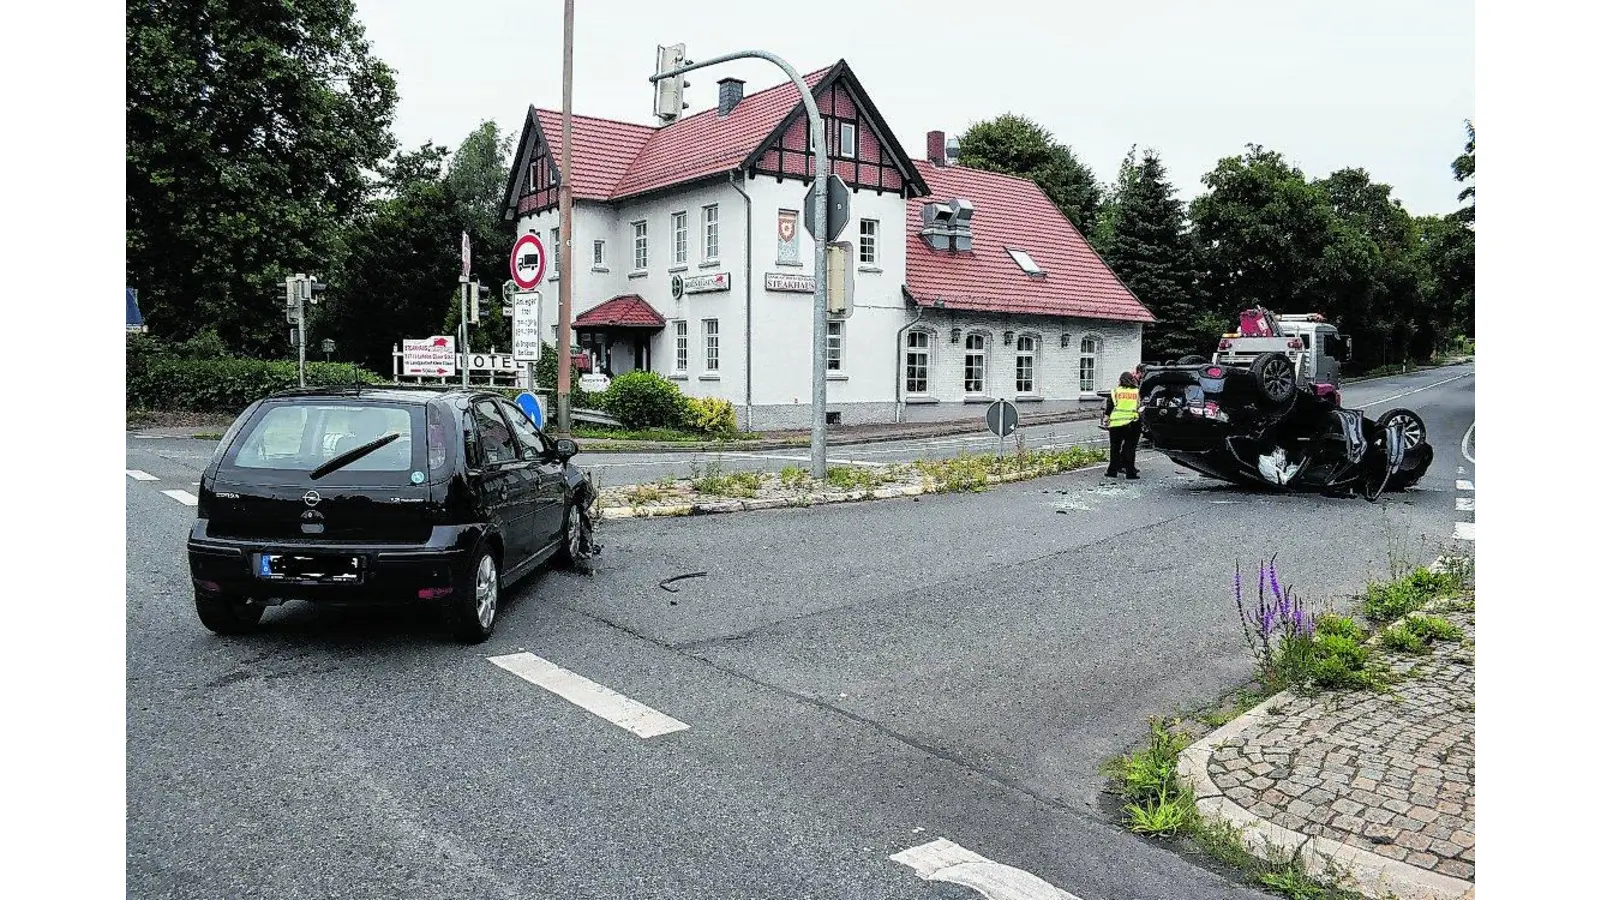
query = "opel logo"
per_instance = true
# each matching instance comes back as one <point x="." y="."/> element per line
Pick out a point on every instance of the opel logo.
<point x="312" y="498"/>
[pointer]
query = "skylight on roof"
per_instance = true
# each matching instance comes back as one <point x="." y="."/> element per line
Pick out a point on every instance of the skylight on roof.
<point x="1024" y="261"/>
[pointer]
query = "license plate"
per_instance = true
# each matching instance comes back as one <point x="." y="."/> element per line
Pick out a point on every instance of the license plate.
<point x="297" y="567"/>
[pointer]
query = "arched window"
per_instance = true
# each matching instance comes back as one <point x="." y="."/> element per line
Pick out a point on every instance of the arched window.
<point x="1089" y="363"/>
<point x="919" y="360"/>
<point x="977" y="363"/>
<point x="1027" y="350"/>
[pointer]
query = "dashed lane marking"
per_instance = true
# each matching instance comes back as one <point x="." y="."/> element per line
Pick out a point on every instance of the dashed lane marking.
<point x="1463" y="485"/>
<point x="1464" y="504"/>
<point x="140" y="475"/>
<point x="947" y="861"/>
<point x="596" y="698"/>
<point x="1464" y="531"/>
<point x="184" y="497"/>
<point x="1418" y="390"/>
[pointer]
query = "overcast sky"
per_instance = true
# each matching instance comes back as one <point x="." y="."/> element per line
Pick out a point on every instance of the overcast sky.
<point x="1381" y="85"/>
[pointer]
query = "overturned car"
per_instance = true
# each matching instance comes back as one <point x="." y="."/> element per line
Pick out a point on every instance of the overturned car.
<point x="1265" y="411"/>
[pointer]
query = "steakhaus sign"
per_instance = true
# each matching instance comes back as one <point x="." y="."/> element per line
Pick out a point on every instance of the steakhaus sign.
<point x="792" y="284"/>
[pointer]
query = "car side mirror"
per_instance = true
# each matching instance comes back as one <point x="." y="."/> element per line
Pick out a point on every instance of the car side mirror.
<point x="566" y="448"/>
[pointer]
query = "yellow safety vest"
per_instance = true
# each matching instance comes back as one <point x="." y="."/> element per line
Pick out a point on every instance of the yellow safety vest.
<point x="1127" y="406"/>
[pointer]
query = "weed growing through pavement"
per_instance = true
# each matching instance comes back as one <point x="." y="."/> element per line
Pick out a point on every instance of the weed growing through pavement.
<point x="1391" y="600"/>
<point x="853" y="478"/>
<point x="1293" y="649"/>
<point x="731" y="484"/>
<point x="971" y="471"/>
<point x="1416" y="633"/>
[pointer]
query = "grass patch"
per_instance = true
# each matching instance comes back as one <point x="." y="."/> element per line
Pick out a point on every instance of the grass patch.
<point x="854" y="478"/>
<point x="1388" y="601"/>
<point x="794" y="477"/>
<point x="970" y="472"/>
<point x="207" y="436"/>
<point x="658" y="435"/>
<point x="1156" y="804"/>
<point x="1417" y="634"/>
<point x="644" y="494"/>
<point x="730" y="484"/>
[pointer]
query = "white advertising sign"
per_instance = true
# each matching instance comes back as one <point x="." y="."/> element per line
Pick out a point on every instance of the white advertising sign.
<point x="435" y="356"/>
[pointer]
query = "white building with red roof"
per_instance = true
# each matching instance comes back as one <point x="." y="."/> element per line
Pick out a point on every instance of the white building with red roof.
<point x="692" y="261"/>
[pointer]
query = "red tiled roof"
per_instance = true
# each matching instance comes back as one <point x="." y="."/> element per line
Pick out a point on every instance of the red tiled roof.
<point x="1012" y="213"/>
<point x="612" y="159"/>
<point x="629" y="310"/>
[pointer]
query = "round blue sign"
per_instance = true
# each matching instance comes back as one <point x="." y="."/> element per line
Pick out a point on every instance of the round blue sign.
<point x="530" y="405"/>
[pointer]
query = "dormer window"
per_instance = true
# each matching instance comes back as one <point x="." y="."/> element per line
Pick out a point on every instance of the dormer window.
<point x="847" y="140"/>
<point x="1025" y="262"/>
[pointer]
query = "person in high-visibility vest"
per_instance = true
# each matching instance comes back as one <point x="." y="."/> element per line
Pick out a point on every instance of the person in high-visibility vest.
<point x="1122" y="422"/>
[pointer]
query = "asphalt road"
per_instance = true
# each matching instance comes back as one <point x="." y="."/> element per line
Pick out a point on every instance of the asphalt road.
<point x="856" y="679"/>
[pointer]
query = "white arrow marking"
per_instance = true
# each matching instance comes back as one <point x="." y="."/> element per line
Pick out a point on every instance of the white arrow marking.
<point x="948" y="861"/>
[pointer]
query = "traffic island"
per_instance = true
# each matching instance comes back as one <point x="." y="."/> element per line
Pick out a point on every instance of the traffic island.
<point x="715" y="491"/>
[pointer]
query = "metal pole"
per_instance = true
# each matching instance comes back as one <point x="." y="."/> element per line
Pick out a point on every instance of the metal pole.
<point x="300" y="324"/>
<point x="466" y="349"/>
<point x="564" y="254"/>
<point x="819" y="318"/>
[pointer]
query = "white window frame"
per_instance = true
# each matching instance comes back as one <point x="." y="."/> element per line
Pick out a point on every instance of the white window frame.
<point x="599" y="250"/>
<point x="982" y="352"/>
<point x="926" y="352"/>
<point x="641" y="245"/>
<point x="555" y="254"/>
<point x="680" y="348"/>
<point x="1092" y="357"/>
<point x="835" y="347"/>
<point x="848" y="151"/>
<point x="867" y="242"/>
<point x="680" y="238"/>
<point x="711" y="336"/>
<point x="710" y="222"/>
<point x="1032" y="356"/>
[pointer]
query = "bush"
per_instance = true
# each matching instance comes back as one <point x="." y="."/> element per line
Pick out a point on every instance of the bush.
<point x="709" y="415"/>
<point x="225" y="385"/>
<point x="645" y="400"/>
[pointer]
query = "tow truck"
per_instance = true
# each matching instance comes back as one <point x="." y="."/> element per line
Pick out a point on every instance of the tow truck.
<point x="1266" y="409"/>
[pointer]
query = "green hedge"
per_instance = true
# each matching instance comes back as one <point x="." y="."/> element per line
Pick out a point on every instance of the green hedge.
<point x="225" y="385"/>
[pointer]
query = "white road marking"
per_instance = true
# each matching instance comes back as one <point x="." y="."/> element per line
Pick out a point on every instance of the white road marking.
<point x="1418" y="390"/>
<point x="1463" y="485"/>
<point x="1464" y="504"/>
<point x="1461" y="470"/>
<point x="138" y="475"/>
<point x="596" y="698"/>
<point x="1465" y="531"/>
<point x="184" y="497"/>
<point x="1467" y="439"/>
<point x="948" y="861"/>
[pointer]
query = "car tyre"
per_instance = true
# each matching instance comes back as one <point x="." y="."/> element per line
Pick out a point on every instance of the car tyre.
<point x="576" y="535"/>
<point x="1410" y="425"/>
<point x="475" y="605"/>
<point x="1274" y="377"/>
<point x="227" y="615"/>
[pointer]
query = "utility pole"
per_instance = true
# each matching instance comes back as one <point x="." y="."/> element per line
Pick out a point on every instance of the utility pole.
<point x="819" y="313"/>
<point x="564" y="254"/>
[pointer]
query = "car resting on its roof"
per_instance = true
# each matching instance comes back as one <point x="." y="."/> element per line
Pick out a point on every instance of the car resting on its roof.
<point x="1265" y="410"/>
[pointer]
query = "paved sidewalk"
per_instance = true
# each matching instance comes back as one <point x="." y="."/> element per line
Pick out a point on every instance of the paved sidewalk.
<point x="1379" y="785"/>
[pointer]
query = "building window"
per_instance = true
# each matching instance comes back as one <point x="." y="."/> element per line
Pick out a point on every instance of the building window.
<point x="835" y="346"/>
<point x="555" y="252"/>
<point x="847" y="140"/>
<point x="709" y="215"/>
<point x="977" y="363"/>
<point x="713" y="346"/>
<point x="680" y="238"/>
<point x="1089" y="364"/>
<point x="641" y="247"/>
<point x="1025" y="349"/>
<point x="680" y="337"/>
<point x="919" y="344"/>
<point x="599" y="254"/>
<point x="869" y="242"/>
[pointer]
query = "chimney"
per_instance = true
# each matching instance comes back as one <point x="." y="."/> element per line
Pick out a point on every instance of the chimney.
<point x="729" y="92"/>
<point x="936" y="148"/>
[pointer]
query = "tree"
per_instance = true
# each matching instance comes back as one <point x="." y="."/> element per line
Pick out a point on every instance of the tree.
<point x="1147" y="244"/>
<point x="251" y="129"/>
<point x="1019" y="146"/>
<point x="1465" y="168"/>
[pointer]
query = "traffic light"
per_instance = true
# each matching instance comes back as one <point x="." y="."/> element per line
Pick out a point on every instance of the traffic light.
<point x="841" y="283"/>
<point x="669" y="91"/>
<point x="475" y="294"/>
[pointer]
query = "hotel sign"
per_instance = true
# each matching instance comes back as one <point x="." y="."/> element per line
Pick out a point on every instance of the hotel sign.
<point x="792" y="284"/>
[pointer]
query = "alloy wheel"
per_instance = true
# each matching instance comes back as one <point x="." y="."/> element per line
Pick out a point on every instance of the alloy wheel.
<point x="487" y="591"/>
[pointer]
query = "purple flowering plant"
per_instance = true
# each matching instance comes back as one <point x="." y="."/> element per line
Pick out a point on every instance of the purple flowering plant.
<point x="1276" y="626"/>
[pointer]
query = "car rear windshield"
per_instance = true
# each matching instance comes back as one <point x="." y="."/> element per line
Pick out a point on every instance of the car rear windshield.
<point x="295" y="439"/>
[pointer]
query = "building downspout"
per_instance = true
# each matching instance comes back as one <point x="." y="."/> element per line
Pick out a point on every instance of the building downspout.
<point x="899" y="383"/>
<point x="734" y="177"/>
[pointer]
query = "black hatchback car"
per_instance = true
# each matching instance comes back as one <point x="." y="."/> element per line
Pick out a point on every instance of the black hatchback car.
<point x="385" y="495"/>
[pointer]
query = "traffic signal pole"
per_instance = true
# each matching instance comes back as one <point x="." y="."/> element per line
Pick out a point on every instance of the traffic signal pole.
<point x="564" y="254"/>
<point x="819" y="313"/>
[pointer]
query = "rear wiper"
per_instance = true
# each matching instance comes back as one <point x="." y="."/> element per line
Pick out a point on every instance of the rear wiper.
<point x="350" y="456"/>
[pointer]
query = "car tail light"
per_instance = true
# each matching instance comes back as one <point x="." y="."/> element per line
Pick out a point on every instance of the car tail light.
<point x="433" y="593"/>
<point x="1214" y="372"/>
<point x="1294" y="344"/>
<point x="436" y="432"/>
<point x="1224" y="344"/>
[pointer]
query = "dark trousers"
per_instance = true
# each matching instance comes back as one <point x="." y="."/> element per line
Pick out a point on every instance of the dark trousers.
<point x="1124" y="444"/>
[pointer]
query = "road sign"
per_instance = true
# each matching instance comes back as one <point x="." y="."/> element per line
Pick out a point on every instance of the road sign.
<point x="841" y="280"/>
<point x="530" y="405"/>
<point x="434" y="356"/>
<point x="1002" y="418"/>
<point x="525" y="341"/>
<point x="487" y="362"/>
<point x="838" y="207"/>
<point x="527" y="262"/>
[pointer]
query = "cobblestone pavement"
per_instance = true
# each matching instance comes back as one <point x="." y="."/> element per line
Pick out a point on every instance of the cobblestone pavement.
<point x="1389" y="774"/>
